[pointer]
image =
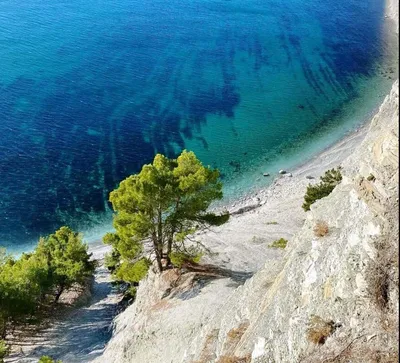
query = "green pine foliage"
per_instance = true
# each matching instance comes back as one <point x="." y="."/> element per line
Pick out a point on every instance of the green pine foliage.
<point x="192" y="255"/>
<point x="23" y="284"/>
<point x="133" y="272"/>
<point x="161" y="206"/>
<point x="29" y="282"/>
<point x="112" y="260"/>
<point x="329" y="180"/>
<point x="67" y="259"/>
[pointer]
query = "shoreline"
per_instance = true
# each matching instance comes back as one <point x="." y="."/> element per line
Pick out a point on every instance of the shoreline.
<point x="273" y="212"/>
<point x="247" y="200"/>
<point x="331" y="156"/>
<point x="301" y="168"/>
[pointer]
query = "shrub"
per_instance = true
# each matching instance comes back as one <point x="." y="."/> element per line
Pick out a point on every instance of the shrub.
<point x="192" y="255"/>
<point x="112" y="260"/>
<point x="321" y="229"/>
<point x="329" y="180"/>
<point x="47" y="359"/>
<point x="279" y="243"/>
<point x="371" y="177"/>
<point x="67" y="258"/>
<point x="319" y="330"/>
<point x="133" y="272"/>
<point x="130" y="293"/>
<point x="4" y="350"/>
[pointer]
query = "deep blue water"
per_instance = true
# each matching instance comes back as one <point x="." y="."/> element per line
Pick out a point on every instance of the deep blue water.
<point x="90" y="90"/>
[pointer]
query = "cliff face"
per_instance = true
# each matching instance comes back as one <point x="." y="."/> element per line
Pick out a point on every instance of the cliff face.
<point x="327" y="299"/>
<point x="340" y="289"/>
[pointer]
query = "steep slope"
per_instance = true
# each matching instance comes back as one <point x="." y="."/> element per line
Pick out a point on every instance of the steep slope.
<point x="340" y="289"/>
<point x="345" y="283"/>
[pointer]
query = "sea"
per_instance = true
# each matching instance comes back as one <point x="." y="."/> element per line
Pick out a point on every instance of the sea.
<point x="91" y="90"/>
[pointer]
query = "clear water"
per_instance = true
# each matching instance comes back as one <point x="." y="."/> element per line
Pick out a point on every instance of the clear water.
<point x="90" y="90"/>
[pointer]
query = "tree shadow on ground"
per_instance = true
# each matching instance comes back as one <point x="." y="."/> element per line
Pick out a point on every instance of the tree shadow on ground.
<point x="201" y="276"/>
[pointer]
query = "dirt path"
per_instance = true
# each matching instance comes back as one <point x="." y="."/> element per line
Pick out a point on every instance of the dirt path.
<point x="82" y="335"/>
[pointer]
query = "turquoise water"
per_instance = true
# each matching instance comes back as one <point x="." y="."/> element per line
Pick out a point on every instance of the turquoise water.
<point x="90" y="90"/>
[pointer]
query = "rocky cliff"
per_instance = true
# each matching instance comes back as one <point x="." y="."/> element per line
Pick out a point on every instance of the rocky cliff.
<point x="332" y="297"/>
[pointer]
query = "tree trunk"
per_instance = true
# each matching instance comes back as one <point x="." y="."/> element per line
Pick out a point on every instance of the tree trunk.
<point x="3" y="329"/>
<point x="159" y="262"/>
<point x="159" y="242"/>
<point x="157" y="251"/>
<point x="169" y="250"/>
<point x="58" y="294"/>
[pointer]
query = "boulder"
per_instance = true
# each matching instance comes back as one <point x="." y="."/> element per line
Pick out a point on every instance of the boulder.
<point x="282" y="172"/>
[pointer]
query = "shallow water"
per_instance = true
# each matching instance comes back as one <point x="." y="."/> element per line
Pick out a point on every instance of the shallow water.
<point x="91" y="90"/>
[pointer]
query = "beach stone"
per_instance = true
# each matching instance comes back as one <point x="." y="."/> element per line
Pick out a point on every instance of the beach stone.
<point x="282" y="172"/>
<point x="309" y="177"/>
<point x="266" y="174"/>
<point x="289" y="175"/>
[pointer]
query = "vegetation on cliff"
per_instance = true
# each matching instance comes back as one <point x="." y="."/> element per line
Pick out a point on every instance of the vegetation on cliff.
<point x="329" y="180"/>
<point x="156" y="212"/>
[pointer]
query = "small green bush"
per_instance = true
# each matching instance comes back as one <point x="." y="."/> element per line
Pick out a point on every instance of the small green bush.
<point x="279" y="243"/>
<point x="192" y="255"/>
<point x="47" y="359"/>
<point x="4" y="350"/>
<point x="328" y="182"/>
<point x="130" y="293"/>
<point x="371" y="177"/>
<point x="133" y="272"/>
<point x="112" y="260"/>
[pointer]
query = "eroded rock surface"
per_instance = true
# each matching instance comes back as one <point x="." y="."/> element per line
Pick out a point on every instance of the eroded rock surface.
<point x="325" y="299"/>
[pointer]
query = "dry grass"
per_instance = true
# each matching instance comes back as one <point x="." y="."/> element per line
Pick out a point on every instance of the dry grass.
<point x="358" y="350"/>
<point x="321" y="229"/>
<point x="208" y="352"/>
<point x="234" y="359"/>
<point x="382" y="279"/>
<point x="319" y="330"/>
<point x="363" y="354"/>
<point x="236" y="334"/>
<point x="379" y="287"/>
<point x="233" y="338"/>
